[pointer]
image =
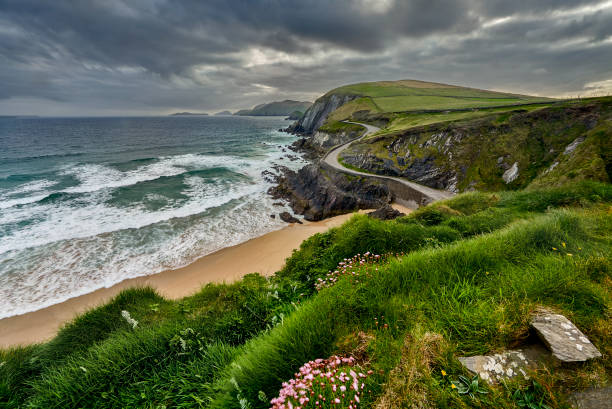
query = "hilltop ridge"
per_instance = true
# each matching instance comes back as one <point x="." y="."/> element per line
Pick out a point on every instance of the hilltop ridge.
<point x="276" y="108"/>
<point x="388" y="97"/>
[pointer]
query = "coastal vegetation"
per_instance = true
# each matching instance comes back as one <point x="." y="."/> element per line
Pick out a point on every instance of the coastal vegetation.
<point x="454" y="278"/>
<point x="493" y="149"/>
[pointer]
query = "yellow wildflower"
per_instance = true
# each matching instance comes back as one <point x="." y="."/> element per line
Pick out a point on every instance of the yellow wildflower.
<point x="570" y="254"/>
<point x="563" y="243"/>
<point x="453" y="386"/>
<point x="554" y="248"/>
<point x="486" y="272"/>
<point x="443" y="372"/>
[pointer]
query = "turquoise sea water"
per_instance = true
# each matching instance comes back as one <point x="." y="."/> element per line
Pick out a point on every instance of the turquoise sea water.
<point x="88" y="202"/>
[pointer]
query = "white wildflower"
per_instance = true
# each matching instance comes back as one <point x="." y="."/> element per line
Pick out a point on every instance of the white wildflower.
<point x="126" y="315"/>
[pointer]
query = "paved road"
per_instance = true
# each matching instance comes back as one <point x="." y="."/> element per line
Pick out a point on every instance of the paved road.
<point x="331" y="158"/>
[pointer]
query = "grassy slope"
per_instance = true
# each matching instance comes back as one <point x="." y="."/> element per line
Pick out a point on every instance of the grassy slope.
<point x="387" y="98"/>
<point x="474" y="267"/>
<point x="535" y="137"/>
<point x="406" y="120"/>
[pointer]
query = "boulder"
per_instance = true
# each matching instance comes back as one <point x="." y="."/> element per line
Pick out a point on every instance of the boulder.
<point x="594" y="398"/>
<point x="386" y="213"/>
<point x="288" y="218"/>
<point x="566" y="342"/>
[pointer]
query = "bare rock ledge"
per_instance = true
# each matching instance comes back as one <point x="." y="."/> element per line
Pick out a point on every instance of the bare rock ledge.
<point x="566" y="342"/>
<point x="508" y="364"/>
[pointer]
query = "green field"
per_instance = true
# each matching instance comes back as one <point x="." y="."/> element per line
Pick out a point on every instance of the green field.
<point x="419" y="88"/>
<point x="393" y="98"/>
<point x="403" y="121"/>
<point x="458" y="277"/>
<point x="431" y="102"/>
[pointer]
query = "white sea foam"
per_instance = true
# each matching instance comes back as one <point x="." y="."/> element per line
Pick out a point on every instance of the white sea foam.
<point x="7" y="203"/>
<point x="65" y="220"/>
<point x="94" y="177"/>
<point x="75" y="248"/>
<point x="33" y="186"/>
<point x="8" y="199"/>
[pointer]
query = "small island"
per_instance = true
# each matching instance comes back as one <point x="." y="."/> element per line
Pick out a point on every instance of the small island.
<point x="189" y="114"/>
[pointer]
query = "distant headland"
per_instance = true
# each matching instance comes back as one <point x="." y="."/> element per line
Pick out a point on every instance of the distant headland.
<point x="189" y="114"/>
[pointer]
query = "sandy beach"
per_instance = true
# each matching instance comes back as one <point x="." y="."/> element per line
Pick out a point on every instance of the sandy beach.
<point x="265" y="254"/>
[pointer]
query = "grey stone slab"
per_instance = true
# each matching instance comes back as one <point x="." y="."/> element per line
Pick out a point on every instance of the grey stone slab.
<point x="508" y="364"/>
<point x="596" y="398"/>
<point x="566" y="342"/>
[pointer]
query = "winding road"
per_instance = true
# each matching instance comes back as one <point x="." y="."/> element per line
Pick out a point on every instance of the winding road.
<point x="331" y="159"/>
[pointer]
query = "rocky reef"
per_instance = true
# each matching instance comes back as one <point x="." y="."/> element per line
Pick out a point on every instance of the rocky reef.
<point x="319" y="193"/>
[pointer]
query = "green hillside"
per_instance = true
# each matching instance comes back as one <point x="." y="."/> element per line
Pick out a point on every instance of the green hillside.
<point x="454" y="278"/>
<point x="546" y="144"/>
<point x="410" y="95"/>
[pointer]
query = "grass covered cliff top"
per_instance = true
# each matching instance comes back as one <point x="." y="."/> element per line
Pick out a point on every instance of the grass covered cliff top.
<point x="388" y="97"/>
<point x="458" y="277"/>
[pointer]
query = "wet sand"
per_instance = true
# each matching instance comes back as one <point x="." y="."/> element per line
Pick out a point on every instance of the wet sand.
<point x="265" y="255"/>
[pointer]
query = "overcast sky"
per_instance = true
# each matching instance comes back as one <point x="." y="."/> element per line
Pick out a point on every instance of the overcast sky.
<point x="132" y="57"/>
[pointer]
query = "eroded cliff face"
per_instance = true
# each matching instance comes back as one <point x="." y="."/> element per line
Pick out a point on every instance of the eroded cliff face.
<point x="496" y="152"/>
<point x="317" y="114"/>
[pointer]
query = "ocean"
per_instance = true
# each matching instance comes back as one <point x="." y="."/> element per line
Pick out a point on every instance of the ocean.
<point x="88" y="202"/>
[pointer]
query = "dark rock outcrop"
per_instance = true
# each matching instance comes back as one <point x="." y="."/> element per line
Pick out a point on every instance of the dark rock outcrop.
<point x="317" y="145"/>
<point x="317" y="193"/>
<point x="423" y="170"/>
<point x="386" y="213"/>
<point x="288" y="218"/>
<point x="308" y="148"/>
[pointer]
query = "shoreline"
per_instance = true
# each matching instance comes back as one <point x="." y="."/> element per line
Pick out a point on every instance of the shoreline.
<point x="264" y="254"/>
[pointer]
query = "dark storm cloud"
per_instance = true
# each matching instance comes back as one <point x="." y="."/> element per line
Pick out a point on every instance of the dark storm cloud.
<point x="157" y="55"/>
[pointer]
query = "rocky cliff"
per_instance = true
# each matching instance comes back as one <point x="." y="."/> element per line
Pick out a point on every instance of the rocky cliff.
<point x="318" y="193"/>
<point x="317" y="114"/>
<point x="316" y="145"/>
<point x="502" y="151"/>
